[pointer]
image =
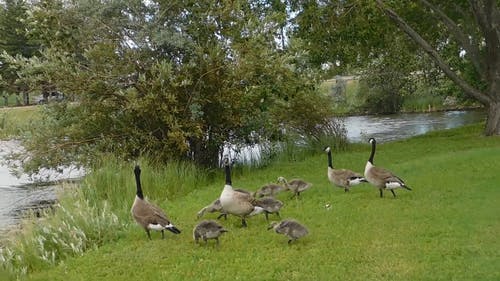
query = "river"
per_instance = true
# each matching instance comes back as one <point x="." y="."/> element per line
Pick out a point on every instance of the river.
<point x="400" y="126"/>
<point x="20" y="193"/>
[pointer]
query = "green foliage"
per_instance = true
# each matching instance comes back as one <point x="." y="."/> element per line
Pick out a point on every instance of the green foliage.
<point x="422" y="101"/>
<point x="382" y="98"/>
<point x="95" y="212"/>
<point x="359" y="37"/>
<point x="177" y="88"/>
<point x="112" y="180"/>
<point x="446" y="228"/>
<point x="348" y="98"/>
<point x="341" y="33"/>
<point x="13" y="41"/>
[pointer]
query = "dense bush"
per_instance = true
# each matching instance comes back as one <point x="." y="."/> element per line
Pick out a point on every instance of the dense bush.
<point x="179" y="88"/>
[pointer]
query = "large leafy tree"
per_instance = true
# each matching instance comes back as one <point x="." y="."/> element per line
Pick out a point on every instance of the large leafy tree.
<point x="14" y="41"/>
<point x="165" y="79"/>
<point x="462" y="38"/>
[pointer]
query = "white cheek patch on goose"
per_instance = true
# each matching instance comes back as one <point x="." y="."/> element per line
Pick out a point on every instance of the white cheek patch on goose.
<point x="170" y="226"/>
<point x="392" y="185"/>
<point x="155" y="226"/>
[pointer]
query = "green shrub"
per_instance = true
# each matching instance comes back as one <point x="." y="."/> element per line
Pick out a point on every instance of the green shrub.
<point x="422" y="101"/>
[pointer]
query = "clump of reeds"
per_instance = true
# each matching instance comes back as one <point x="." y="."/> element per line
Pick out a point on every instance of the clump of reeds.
<point x="74" y="226"/>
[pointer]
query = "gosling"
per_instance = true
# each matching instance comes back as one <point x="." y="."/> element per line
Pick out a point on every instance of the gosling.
<point x="270" y="206"/>
<point x="212" y="208"/>
<point x="208" y="229"/>
<point x="269" y="190"/>
<point x="291" y="228"/>
<point x="296" y="185"/>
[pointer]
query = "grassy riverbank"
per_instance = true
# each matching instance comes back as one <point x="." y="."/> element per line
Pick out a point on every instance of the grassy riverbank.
<point x="445" y="229"/>
<point x="16" y="120"/>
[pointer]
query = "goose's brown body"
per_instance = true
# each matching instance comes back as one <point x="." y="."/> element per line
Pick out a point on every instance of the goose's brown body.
<point x="380" y="177"/>
<point x="148" y="215"/>
<point x="342" y="178"/>
<point x="237" y="202"/>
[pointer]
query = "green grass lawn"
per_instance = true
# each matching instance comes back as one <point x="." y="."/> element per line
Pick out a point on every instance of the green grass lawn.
<point x="16" y="120"/>
<point x="447" y="228"/>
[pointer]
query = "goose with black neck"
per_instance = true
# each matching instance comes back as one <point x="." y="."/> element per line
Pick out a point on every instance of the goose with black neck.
<point x="148" y="215"/>
<point x="380" y="177"/>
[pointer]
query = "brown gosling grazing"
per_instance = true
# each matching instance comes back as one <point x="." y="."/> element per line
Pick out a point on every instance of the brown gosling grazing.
<point x="296" y="185"/>
<point x="291" y="228"/>
<point x="270" y="206"/>
<point x="208" y="229"/>
<point x="269" y="190"/>
<point x="212" y="208"/>
<point x="380" y="177"/>
<point x="237" y="202"/>
<point x="342" y="178"/>
<point x="147" y="215"/>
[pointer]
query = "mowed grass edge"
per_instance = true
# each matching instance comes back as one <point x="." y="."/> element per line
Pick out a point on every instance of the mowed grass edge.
<point x="445" y="229"/>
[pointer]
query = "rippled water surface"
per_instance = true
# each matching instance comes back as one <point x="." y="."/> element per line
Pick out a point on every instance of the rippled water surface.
<point x="21" y="192"/>
<point x="399" y="126"/>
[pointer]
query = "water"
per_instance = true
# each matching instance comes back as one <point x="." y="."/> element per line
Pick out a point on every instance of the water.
<point x="17" y="199"/>
<point x="400" y="126"/>
<point x="19" y="193"/>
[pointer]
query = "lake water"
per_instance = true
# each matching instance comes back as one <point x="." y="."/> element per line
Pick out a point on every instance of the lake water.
<point x="19" y="193"/>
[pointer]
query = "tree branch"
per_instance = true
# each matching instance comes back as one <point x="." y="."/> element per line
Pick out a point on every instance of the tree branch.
<point x="472" y="50"/>
<point x="466" y="87"/>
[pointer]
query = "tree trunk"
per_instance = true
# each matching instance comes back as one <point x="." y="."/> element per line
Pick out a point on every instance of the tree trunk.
<point x="26" y="98"/>
<point x="486" y="14"/>
<point x="493" y="120"/>
<point x="204" y="152"/>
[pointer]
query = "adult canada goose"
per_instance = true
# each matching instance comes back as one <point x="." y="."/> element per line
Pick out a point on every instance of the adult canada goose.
<point x="380" y="177"/>
<point x="270" y="206"/>
<point x="213" y="207"/>
<point x="342" y="178"/>
<point x="237" y="202"/>
<point x="147" y="215"/>
<point x="291" y="228"/>
<point x="208" y="229"/>
<point x="269" y="190"/>
<point x="296" y="185"/>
